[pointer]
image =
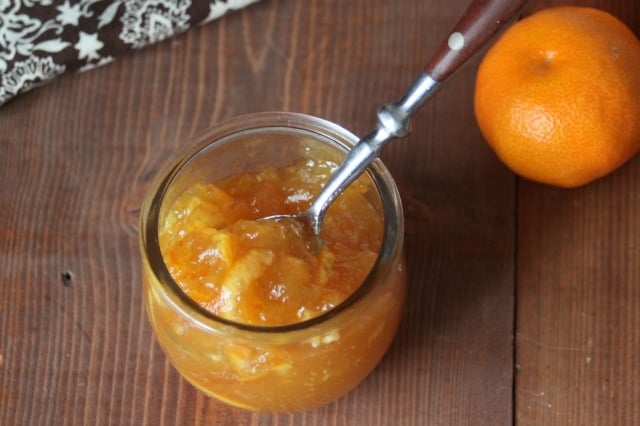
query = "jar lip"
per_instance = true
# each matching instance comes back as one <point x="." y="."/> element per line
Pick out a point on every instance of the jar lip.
<point x="386" y="189"/>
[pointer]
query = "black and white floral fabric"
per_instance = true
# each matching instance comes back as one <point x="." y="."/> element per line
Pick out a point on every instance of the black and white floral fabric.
<point x="41" y="39"/>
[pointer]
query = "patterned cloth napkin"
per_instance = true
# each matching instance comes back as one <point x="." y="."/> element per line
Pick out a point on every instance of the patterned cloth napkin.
<point x="42" y="39"/>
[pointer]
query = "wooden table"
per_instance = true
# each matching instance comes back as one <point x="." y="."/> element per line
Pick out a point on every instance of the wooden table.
<point x="524" y="299"/>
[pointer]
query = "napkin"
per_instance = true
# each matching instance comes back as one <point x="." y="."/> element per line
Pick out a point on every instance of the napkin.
<point x="42" y="39"/>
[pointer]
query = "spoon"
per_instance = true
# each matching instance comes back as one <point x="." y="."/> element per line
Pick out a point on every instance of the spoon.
<point x="481" y="20"/>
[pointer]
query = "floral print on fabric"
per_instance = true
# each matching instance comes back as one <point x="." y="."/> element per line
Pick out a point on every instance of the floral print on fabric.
<point x="41" y="39"/>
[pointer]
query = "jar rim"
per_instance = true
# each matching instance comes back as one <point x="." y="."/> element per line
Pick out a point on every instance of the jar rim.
<point x="391" y="207"/>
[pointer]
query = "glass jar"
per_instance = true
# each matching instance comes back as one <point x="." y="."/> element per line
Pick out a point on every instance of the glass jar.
<point x="283" y="368"/>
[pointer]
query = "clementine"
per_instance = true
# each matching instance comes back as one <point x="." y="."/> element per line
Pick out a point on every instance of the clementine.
<point x="557" y="97"/>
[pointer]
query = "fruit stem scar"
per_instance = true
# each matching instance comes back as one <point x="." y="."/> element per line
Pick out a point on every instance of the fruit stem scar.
<point x="615" y="51"/>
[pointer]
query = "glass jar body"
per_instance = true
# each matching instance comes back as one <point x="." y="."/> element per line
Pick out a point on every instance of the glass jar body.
<point x="274" y="369"/>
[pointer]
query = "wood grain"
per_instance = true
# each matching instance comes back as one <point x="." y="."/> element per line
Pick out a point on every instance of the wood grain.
<point x="77" y="154"/>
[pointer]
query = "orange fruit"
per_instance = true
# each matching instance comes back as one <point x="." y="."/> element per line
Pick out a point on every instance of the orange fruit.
<point x="557" y="97"/>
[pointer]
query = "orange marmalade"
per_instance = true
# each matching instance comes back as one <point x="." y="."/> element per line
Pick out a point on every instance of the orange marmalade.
<point x="244" y="309"/>
<point x="263" y="272"/>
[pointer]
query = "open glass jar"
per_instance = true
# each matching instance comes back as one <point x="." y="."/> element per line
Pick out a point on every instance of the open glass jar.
<point x="285" y="367"/>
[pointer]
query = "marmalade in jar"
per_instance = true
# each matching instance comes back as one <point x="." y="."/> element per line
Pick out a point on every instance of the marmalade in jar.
<point x="252" y="314"/>
<point x="265" y="272"/>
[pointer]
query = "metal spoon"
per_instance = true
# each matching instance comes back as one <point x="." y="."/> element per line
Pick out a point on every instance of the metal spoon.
<point x="481" y="20"/>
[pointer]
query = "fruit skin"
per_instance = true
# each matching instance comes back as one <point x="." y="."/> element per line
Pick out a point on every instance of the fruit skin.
<point x="557" y="97"/>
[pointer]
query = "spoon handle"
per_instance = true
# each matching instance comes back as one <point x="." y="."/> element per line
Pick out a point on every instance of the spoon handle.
<point x="481" y="20"/>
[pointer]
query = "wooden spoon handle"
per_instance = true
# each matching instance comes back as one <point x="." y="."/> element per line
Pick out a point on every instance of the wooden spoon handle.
<point x="481" y="20"/>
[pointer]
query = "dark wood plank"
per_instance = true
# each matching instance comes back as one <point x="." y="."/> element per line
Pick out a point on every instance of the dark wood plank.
<point x="578" y="303"/>
<point x="77" y="154"/>
<point x="578" y="287"/>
